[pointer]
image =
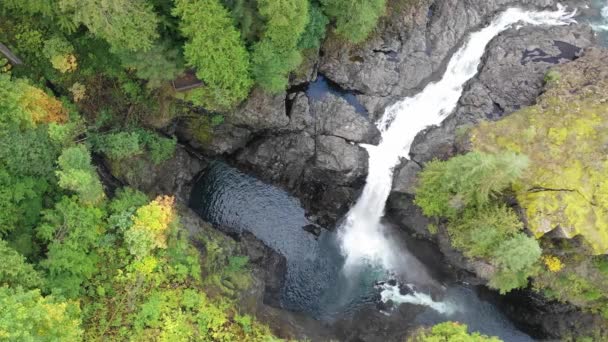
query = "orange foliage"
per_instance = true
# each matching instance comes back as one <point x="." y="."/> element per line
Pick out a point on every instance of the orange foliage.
<point x="42" y="107"/>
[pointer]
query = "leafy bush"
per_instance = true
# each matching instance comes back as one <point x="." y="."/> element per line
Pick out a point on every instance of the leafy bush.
<point x="28" y="316"/>
<point x="61" y="54"/>
<point x="449" y="332"/>
<point x="127" y="25"/>
<point x="15" y="271"/>
<point x="118" y="145"/>
<point x="121" y="145"/>
<point x="77" y="174"/>
<point x="160" y="148"/>
<point x="464" y="190"/>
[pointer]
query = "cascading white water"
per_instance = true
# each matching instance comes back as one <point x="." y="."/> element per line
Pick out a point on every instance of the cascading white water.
<point x="603" y="25"/>
<point x="393" y="293"/>
<point x="362" y="236"/>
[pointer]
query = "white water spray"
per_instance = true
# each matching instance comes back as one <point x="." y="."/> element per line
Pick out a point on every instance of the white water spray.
<point x="393" y="293"/>
<point x="602" y="26"/>
<point x="362" y="236"/>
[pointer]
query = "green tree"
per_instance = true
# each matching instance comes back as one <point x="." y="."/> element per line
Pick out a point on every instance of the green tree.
<point x="127" y="25"/>
<point x="315" y="30"/>
<point x="215" y="49"/>
<point x="48" y="10"/>
<point x="449" y="332"/>
<point x="355" y="19"/>
<point x="77" y="174"/>
<point x="158" y="65"/>
<point x="247" y="18"/>
<point x="72" y="231"/>
<point x="15" y="271"/>
<point x="117" y="146"/>
<point x="516" y="259"/>
<point x="151" y="226"/>
<point x="277" y="54"/>
<point x="470" y="180"/>
<point x="478" y="232"/>
<point x="29" y="317"/>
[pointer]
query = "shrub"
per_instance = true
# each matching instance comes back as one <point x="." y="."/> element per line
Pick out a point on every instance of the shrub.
<point x="119" y="145"/>
<point x="449" y="331"/>
<point x="77" y="174"/>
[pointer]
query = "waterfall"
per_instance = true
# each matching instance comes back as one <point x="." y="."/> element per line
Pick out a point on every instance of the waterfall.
<point x="362" y="237"/>
<point x="603" y="25"/>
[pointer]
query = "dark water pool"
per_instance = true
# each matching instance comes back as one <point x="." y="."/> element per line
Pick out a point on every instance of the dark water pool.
<point x="315" y="283"/>
<point x="321" y="86"/>
<point x="236" y="202"/>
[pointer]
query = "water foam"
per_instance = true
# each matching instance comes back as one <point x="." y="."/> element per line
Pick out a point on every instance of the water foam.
<point x="602" y="26"/>
<point x="363" y="239"/>
<point x="393" y="293"/>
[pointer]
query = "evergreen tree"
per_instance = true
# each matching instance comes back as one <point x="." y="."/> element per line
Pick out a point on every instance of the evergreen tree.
<point x="216" y="50"/>
<point x="277" y="54"/>
<point x="355" y="19"/>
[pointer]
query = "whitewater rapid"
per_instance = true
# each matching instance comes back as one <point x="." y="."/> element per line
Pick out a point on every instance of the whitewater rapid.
<point x="362" y="236"/>
<point x="603" y="24"/>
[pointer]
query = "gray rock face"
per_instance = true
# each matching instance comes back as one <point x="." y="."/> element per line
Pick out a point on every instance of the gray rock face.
<point x="336" y="117"/>
<point x="300" y="117"/>
<point x="411" y="48"/>
<point x="511" y="77"/>
<point x="281" y="158"/>
<point x="317" y="145"/>
<point x="404" y="179"/>
<point x="336" y="155"/>
<point x="261" y="111"/>
<point x="173" y="176"/>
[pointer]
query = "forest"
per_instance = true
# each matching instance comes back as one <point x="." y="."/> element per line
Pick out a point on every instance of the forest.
<point x="95" y="79"/>
<point x="96" y="82"/>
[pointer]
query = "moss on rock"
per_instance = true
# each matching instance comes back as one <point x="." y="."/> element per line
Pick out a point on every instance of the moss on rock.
<point x="565" y="135"/>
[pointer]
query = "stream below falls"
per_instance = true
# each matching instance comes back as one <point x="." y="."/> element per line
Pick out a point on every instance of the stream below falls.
<point x="315" y="283"/>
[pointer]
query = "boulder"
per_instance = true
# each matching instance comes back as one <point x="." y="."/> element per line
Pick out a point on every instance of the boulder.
<point x="343" y="160"/>
<point x="261" y="111"/>
<point x="173" y="176"/>
<point x="336" y="117"/>
<point x="281" y="158"/>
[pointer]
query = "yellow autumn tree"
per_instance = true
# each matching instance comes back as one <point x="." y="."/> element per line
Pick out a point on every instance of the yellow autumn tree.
<point x="151" y="225"/>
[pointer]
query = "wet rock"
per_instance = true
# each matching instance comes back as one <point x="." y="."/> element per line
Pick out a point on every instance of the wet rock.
<point x="337" y="157"/>
<point x="314" y="229"/>
<point x="509" y="78"/>
<point x="300" y="118"/>
<point x="261" y="111"/>
<point x="280" y="158"/>
<point x="405" y="177"/>
<point x="268" y="265"/>
<point x="336" y="117"/>
<point x="411" y="46"/>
